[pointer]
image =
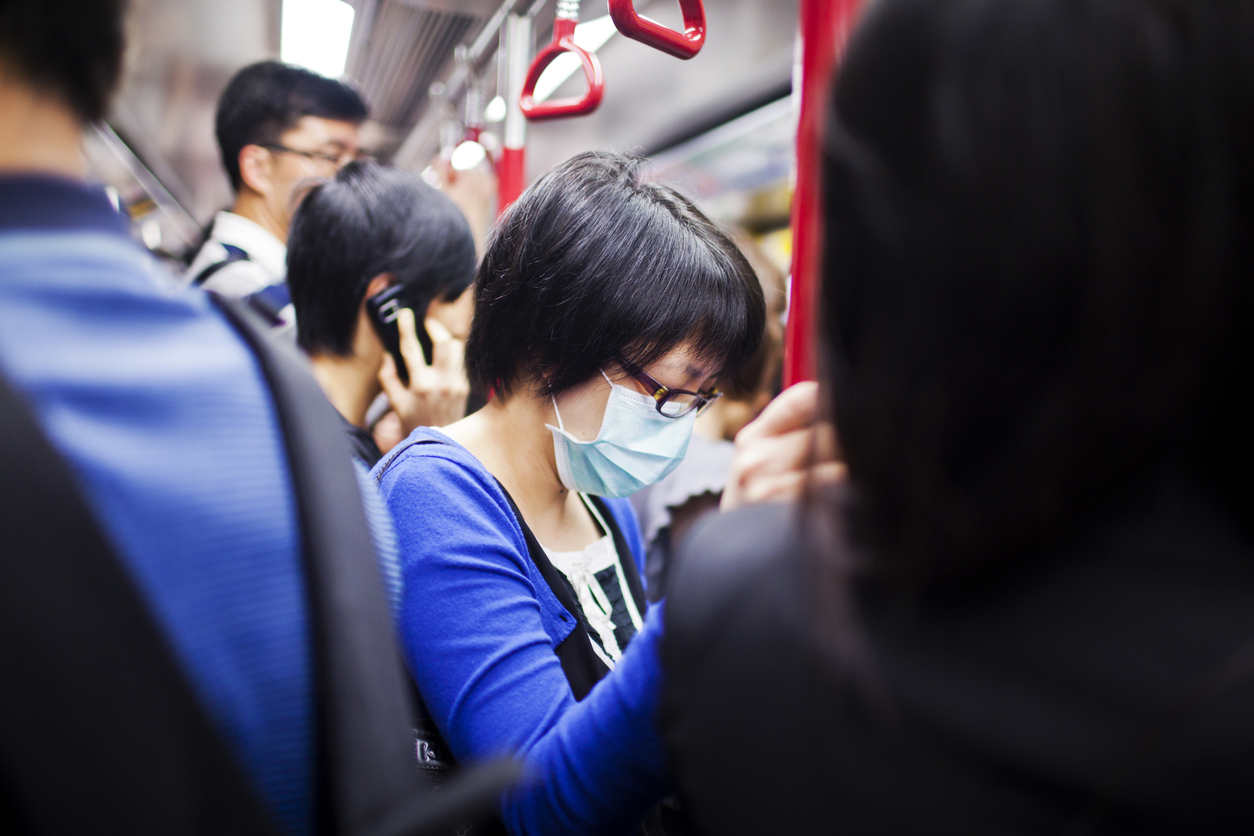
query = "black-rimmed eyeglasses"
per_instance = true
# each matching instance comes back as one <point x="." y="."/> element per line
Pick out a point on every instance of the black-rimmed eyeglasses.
<point x="672" y="403"/>
<point x="341" y="159"/>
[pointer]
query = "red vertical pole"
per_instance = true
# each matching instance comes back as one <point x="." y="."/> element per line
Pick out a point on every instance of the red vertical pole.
<point x="511" y="175"/>
<point x="511" y="168"/>
<point x="824" y="28"/>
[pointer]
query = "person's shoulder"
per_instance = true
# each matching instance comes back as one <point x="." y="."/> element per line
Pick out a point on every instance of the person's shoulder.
<point x="728" y="560"/>
<point x="210" y="252"/>
<point x="445" y="505"/>
<point x="106" y="292"/>
<point x="427" y="447"/>
<point x="58" y="262"/>
<point x="432" y="463"/>
<point x="236" y="279"/>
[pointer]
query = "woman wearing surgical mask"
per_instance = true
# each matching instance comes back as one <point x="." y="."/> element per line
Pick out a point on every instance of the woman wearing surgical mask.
<point x="606" y="309"/>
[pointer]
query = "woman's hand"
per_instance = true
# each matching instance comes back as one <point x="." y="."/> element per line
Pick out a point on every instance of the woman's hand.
<point x="436" y="394"/>
<point x="782" y="450"/>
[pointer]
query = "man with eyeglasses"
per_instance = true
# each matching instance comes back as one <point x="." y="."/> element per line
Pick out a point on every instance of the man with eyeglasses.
<point x="277" y="126"/>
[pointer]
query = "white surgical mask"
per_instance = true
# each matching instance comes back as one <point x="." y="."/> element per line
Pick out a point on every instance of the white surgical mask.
<point x="635" y="447"/>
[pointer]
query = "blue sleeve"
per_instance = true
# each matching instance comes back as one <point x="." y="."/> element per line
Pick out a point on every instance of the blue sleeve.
<point x="480" y="646"/>
<point x="603" y="765"/>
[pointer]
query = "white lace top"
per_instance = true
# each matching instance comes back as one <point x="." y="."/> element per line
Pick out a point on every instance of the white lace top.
<point x="596" y="573"/>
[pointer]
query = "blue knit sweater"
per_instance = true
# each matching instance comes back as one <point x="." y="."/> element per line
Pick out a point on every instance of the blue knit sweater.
<point x="480" y="626"/>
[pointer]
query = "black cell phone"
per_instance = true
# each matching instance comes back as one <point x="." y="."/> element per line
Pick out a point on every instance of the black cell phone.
<point x="383" y="308"/>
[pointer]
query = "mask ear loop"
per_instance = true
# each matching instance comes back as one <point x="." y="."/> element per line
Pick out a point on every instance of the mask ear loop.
<point x="558" y="413"/>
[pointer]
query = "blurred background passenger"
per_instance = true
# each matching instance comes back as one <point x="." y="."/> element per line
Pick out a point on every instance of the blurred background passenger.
<point x="170" y="664"/>
<point x="667" y="509"/>
<point x="605" y="308"/>
<point x="1031" y="608"/>
<point x="370" y="230"/>
<point x="277" y="125"/>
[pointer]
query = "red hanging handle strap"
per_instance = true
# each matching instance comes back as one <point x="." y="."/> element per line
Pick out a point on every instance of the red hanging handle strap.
<point x="683" y="44"/>
<point x="563" y="41"/>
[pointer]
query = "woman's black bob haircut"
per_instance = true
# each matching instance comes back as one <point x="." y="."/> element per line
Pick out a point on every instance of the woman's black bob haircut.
<point x="372" y="219"/>
<point x="1038" y="299"/>
<point x="592" y="263"/>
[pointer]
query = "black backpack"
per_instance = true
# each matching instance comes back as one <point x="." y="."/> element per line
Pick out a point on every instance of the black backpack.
<point x="99" y="730"/>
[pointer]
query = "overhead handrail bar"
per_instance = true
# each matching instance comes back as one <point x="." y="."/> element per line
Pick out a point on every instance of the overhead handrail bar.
<point x="485" y="42"/>
<point x="480" y="52"/>
<point x="563" y="41"/>
<point x="683" y="44"/>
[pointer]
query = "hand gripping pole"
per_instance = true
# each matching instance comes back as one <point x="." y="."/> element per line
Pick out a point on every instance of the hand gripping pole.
<point x="563" y="41"/>
<point x="683" y="44"/>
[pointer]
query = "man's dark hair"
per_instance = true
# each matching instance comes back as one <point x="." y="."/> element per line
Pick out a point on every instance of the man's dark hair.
<point x="266" y="99"/>
<point x="372" y="219"/>
<point x="71" y="49"/>
<point x="1039" y="253"/>
<point x="592" y="263"/>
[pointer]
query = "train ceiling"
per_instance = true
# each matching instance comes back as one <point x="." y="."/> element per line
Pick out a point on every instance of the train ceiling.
<point x="184" y="51"/>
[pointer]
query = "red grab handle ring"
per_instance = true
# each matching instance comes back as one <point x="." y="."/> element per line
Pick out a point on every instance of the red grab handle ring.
<point x="563" y="41"/>
<point x="683" y="44"/>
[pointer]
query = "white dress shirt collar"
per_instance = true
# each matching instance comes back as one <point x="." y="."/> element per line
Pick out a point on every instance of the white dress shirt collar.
<point x="261" y="246"/>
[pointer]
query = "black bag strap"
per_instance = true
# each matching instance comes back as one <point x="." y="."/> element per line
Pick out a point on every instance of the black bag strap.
<point x="363" y="713"/>
<point x="270" y="301"/>
<point x="100" y="731"/>
<point x="582" y="666"/>
<point x="233" y="254"/>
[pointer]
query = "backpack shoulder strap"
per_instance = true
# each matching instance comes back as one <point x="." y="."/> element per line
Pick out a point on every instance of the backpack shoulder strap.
<point x="270" y="301"/>
<point x="233" y="254"/>
<point x="368" y="766"/>
<point x="100" y="730"/>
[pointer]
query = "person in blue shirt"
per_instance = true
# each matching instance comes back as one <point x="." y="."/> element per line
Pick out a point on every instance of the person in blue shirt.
<point x="606" y="308"/>
<point x="163" y="416"/>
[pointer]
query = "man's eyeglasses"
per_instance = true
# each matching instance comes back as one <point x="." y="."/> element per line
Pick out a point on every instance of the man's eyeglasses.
<point x="673" y="403"/>
<point x="339" y="160"/>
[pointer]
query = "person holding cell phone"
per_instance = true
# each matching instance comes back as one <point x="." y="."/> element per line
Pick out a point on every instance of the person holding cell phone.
<point x="369" y="251"/>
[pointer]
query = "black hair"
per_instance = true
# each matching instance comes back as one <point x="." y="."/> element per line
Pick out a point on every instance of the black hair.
<point x="1039" y="279"/>
<point x="71" y="49"/>
<point x="372" y="219"/>
<point x="762" y="371"/>
<point x="591" y="263"/>
<point x="265" y="99"/>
